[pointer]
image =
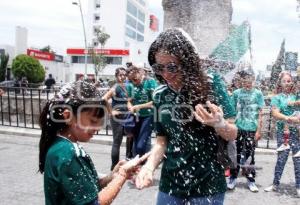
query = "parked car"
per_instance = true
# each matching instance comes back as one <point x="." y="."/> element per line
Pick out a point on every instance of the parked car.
<point x="7" y="83"/>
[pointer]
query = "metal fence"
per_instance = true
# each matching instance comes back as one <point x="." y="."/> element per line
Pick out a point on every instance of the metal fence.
<point x="21" y="107"/>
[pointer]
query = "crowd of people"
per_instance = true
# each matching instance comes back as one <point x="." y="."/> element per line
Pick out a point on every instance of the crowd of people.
<point x="195" y="118"/>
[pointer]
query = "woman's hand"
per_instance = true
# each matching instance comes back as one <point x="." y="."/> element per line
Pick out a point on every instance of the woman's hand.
<point x="294" y="103"/>
<point x="130" y="167"/>
<point x="115" y="112"/>
<point x="293" y="120"/>
<point x="213" y="117"/>
<point x="144" y="177"/>
<point x="134" y="108"/>
<point x="131" y="108"/>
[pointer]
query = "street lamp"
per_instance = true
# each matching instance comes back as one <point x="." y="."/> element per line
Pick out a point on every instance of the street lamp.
<point x="85" y="43"/>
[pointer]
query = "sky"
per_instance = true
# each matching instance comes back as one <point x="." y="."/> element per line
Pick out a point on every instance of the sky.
<point x="57" y="23"/>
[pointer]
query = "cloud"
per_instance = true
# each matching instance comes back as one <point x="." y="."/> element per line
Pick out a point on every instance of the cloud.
<point x="54" y="22"/>
<point x="270" y="24"/>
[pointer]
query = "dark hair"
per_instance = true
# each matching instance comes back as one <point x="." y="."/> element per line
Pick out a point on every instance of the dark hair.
<point x="245" y="74"/>
<point x="72" y="97"/>
<point x="196" y="82"/>
<point x="128" y="64"/>
<point x="133" y="68"/>
<point x="278" y="88"/>
<point x="118" y="70"/>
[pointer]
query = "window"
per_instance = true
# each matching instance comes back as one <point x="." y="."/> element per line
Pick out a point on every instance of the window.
<point x="142" y="2"/>
<point x="131" y="9"/>
<point x="108" y="59"/>
<point x="74" y="59"/>
<point x="95" y="42"/>
<point x="130" y="21"/>
<point x="97" y="4"/>
<point x="130" y="33"/>
<point x="95" y="29"/>
<point x="114" y="60"/>
<point x="141" y="16"/>
<point x="97" y="17"/>
<point x="140" y="37"/>
<point x="140" y="28"/>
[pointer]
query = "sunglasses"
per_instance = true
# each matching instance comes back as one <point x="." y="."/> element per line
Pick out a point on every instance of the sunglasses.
<point x="160" y="68"/>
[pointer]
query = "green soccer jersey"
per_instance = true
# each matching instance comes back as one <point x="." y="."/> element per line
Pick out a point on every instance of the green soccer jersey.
<point x="142" y="94"/>
<point x="190" y="167"/>
<point x="248" y="104"/>
<point x="280" y="101"/>
<point x="70" y="176"/>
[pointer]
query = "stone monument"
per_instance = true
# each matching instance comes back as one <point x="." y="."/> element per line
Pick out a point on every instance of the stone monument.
<point x="207" y="21"/>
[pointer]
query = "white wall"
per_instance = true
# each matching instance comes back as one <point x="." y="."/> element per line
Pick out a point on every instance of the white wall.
<point x="113" y="19"/>
<point x="21" y="40"/>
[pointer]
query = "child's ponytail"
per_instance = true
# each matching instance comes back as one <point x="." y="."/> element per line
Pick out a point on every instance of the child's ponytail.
<point x="50" y="128"/>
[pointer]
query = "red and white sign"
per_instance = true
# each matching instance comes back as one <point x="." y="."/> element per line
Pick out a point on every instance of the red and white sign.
<point x="40" y="55"/>
<point x="154" y="23"/>
<point x="108" y="52"/>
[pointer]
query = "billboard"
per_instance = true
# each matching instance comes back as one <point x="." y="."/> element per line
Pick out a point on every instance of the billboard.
<point x="291" y="61"/>
<point x="44" y="55"/>
<point x="154" y="23"/>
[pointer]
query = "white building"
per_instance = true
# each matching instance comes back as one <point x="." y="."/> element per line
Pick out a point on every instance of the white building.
<point x="128" y="24"/>
<point x="126" y="21"/>
<point x="21" y="39"/>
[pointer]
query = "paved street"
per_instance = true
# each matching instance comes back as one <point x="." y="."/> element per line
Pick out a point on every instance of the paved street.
<point x="20" y="181"/>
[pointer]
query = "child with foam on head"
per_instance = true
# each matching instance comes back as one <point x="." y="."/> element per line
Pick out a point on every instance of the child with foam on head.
<point x="70" y="177"/>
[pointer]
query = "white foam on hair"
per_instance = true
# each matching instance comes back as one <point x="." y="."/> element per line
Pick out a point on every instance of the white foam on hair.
<point x="188" y="37"/>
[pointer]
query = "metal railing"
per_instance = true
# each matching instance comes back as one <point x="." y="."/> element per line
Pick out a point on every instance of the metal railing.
<point x="21" y="107"/>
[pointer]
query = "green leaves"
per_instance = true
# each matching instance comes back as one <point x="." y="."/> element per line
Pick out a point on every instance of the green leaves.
<point x="3" y="65"/>
<point x="26" y="66"/>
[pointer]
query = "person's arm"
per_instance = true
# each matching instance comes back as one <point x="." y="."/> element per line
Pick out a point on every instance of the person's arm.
<point x="279" y="116"/>
<point x="109" y="193"/>
<point x="259" y="126"/>
<point x="135" y="108"/>
<point x="118" y="177"/>
<point x="108" y="95"/>
<point x="261" y="104"/>
<point x="145" y="176"/>
<point x="228" y="132"/>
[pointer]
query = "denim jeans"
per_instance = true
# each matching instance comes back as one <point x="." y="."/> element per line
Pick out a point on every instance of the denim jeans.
<point x="165" y="199"/>
<point x="245" y="148"/>
<point x="117" y="130"/>
<point x="283" y="156"/>
<point x="142" y="135"/>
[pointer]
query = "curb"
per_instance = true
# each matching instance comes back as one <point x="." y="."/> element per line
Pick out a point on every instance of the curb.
<point x="97" y="139"/>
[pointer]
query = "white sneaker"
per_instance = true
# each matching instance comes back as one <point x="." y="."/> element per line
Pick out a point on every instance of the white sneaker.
<point x="231" y="184"/>
<point x="298" y="193"/>
<point x="297" y="154"/>
<point x="271" y="188"/>
<point x="252" y="186"/>
<point x="283" y="147"/>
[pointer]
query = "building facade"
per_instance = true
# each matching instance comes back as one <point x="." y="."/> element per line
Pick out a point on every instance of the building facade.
<point x="131" y="27"/>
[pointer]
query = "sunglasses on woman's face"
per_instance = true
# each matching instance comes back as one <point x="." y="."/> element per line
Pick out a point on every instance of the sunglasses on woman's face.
<point x="160" y="68"/>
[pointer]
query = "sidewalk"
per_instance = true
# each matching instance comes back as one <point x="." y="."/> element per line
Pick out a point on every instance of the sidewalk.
<point x="107" y="139"/>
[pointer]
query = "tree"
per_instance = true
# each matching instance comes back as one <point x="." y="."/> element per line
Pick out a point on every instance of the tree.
<point x="26" y="66"/>
<point x="47" y="49"/>
<point x="98" y="58"/>
<point x="3" y="65"/>
<point x="277" y="67"/>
